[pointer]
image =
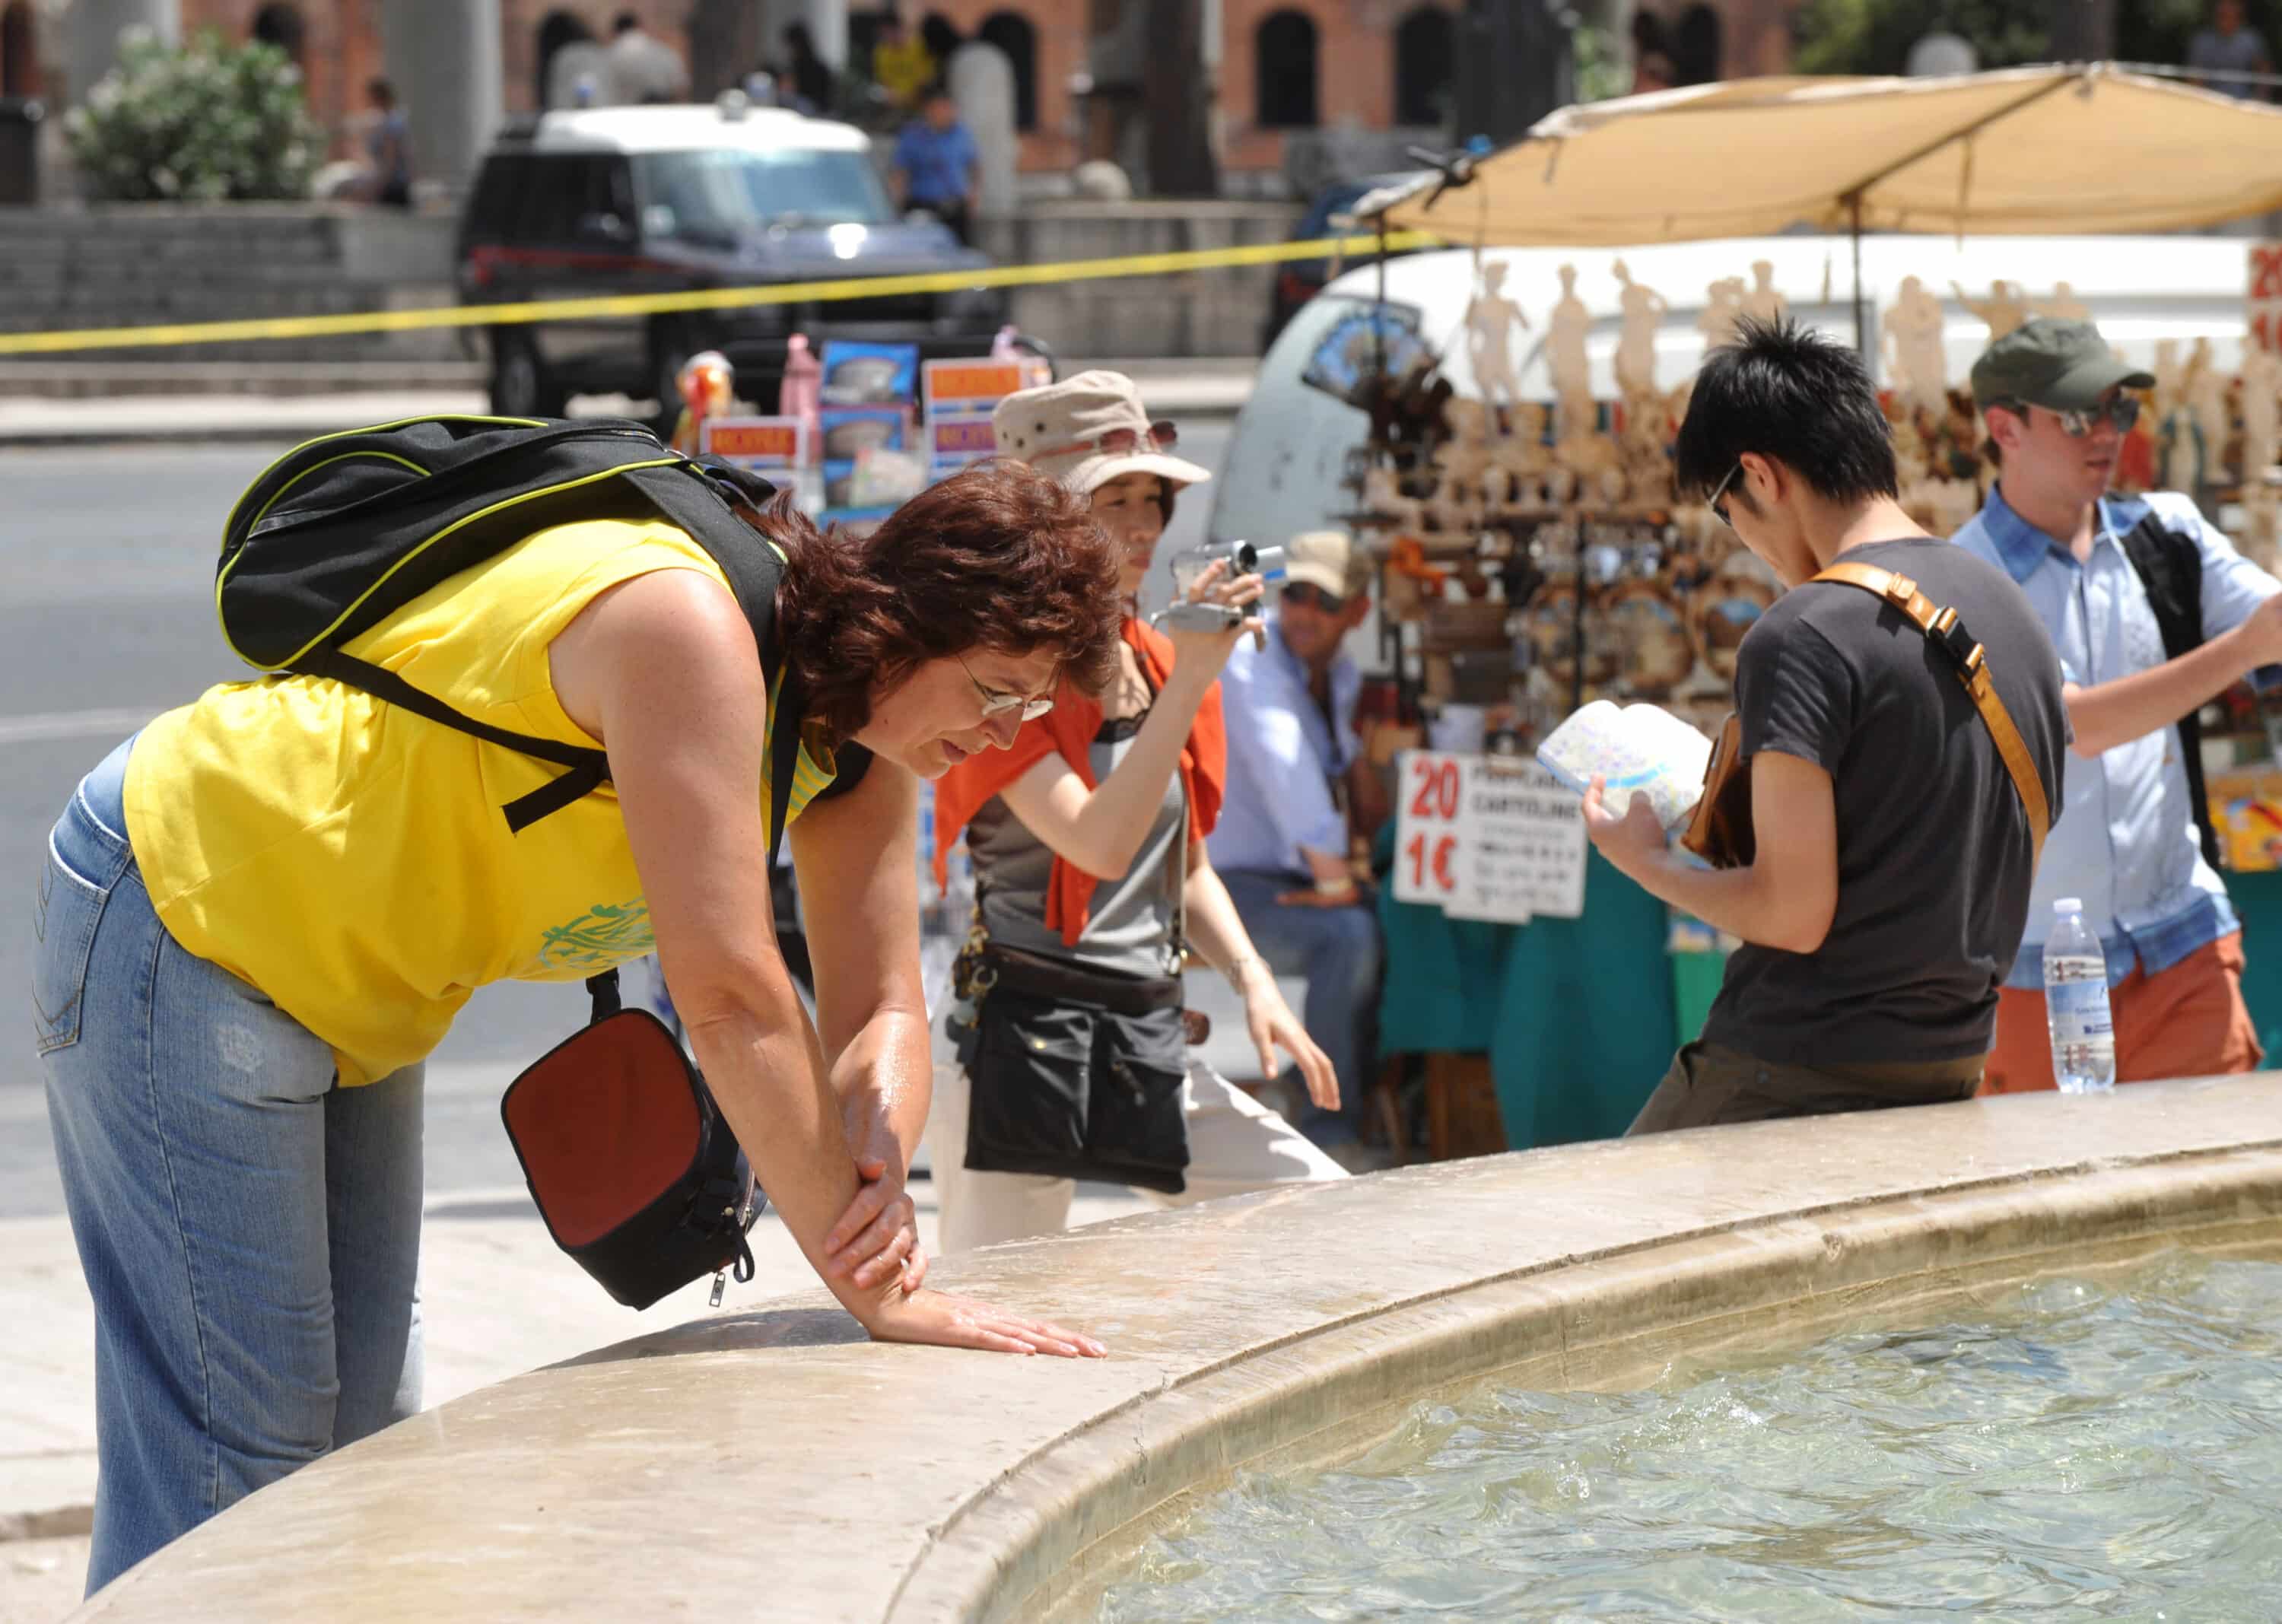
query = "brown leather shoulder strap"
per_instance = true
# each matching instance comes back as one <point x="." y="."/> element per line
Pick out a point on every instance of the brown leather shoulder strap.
<point x="1941" y="626"/>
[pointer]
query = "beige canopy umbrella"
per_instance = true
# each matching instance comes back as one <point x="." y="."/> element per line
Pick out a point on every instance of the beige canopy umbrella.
<point x="2086" y="148"/>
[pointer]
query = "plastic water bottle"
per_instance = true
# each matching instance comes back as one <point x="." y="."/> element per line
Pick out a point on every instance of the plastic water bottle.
<point x="2076" y="1003"/>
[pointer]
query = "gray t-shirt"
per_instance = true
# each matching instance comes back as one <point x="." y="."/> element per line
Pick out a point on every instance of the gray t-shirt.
<point x="2243" y="52"/>
<point x="1130" y="930"/>
<point x="1934" y="857"/>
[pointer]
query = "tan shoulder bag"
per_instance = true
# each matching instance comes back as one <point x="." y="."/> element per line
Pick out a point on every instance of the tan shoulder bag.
<point x="1720" y="831"/>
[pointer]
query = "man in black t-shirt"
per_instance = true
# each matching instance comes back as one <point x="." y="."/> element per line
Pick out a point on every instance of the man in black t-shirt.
<point x="1894" y="853"/>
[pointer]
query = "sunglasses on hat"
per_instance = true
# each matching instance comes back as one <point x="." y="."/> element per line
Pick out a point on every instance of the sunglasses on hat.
<point x="1161" y="436"/>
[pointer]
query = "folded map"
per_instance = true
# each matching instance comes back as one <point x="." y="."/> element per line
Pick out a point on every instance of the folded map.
<point x="1639" y="749"/>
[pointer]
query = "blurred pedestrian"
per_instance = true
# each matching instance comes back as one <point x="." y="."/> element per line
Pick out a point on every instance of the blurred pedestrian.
<point x="812" y="75"/>
<point x="643" y="70"/>
<point x="2231" y="46"/>
<point x="901" y="64"/>
<point x="937" y="164"/>
<point x="388" y="148"/>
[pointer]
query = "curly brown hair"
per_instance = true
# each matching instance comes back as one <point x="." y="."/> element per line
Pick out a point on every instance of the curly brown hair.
<point x="998" y="557"/>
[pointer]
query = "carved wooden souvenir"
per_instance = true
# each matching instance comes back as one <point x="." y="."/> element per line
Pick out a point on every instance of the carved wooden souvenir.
<point x="1764" y="302"/>
<point x="2261" y="414"/>
<point x="1917" y="367"/>
<point x="1659" y="652"/>
<point x="2064" y="305"/>
<point x="1564" y="351"/>
<point x="2005" y="308"/>
<point x="1490" y="322"/>
<point x="1641" y="311"/>
<point x="1549" y="624"/>
<point x="1382" y="499"/>
<point x="1723" y="307"/>
<point x="1724" y="610"/>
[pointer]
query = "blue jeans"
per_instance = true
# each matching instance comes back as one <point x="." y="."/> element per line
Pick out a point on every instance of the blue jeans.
<point x="251" y="1234"/>
<point x="1337" y="951"/>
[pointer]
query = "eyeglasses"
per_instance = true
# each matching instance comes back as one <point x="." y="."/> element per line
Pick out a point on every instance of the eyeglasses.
<point x="1159" y="436"/>
<point x="2122" y="413"/>
<point x="1718" y="504"/>
<point x="996" y="704"/>
<point x="1307" y="595"/>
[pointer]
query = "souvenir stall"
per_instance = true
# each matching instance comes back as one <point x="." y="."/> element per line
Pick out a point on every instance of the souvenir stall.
<point x="1533" y="558"/>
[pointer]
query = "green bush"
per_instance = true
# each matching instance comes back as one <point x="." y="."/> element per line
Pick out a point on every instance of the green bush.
<point x="204" y="121"/>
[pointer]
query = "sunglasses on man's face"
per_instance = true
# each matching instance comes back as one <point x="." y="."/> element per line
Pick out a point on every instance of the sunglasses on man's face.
<point x="1308" y="597"/>
<point x="2122" y="412"/>
<point x="1719" y="499"/>
<point x="996" y="704"/>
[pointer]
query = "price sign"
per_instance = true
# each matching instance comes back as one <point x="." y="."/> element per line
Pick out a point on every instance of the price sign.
<point x="763" y="445"/>
<point x="2262" y="308"/>
<point x="1426" y="831"/>
<point x="1489" y="840"/>
<point x="1522" y="842"/>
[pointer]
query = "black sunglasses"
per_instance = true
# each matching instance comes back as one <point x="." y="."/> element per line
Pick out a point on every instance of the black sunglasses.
<point x="2123" y="412"/>
<point x="1306" y="594"/>
<point x="1718" y="503"/>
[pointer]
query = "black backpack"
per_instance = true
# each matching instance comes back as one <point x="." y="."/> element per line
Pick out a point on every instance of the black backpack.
<point x="342" y="531"/>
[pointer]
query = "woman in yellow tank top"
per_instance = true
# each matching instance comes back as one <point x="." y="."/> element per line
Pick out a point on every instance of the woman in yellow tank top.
<point x="262" y="912"/>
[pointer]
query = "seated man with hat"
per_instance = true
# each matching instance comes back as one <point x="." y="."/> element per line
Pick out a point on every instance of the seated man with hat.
<point x="1287" y="829"/>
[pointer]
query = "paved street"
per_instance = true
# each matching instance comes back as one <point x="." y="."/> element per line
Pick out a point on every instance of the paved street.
<point x="107" y="619"/>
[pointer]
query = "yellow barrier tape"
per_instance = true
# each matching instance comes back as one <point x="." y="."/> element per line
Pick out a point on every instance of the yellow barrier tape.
<point x="703" y="299"/>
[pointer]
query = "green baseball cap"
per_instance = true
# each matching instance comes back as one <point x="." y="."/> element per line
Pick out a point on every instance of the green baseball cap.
<point x="2061" y="366"/>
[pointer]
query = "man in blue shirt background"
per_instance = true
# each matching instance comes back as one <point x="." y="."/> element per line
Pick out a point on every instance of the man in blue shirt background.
<point x="2153" y="614"/>
<point x="1285" y="843"/>
<point x="937" y="164"/>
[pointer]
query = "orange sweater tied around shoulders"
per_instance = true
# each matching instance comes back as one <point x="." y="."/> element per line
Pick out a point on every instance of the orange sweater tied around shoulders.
<point x="1067" y="731"/>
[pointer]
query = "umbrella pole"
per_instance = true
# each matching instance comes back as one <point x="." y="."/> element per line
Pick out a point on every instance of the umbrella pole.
<point x="1861" y="323"/>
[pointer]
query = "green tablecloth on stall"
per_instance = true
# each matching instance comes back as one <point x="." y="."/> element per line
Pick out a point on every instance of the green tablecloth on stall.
<point x="1581" y="1016"/>
<point x="1576" y="1016"/>
<point x="2258" y="901"/>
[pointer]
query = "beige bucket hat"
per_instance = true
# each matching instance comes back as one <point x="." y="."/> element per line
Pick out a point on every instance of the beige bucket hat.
<point x="1087" y="429"/>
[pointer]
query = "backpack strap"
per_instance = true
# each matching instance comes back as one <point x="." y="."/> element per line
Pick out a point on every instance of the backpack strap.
<point x="1947" y="632"/>
<point x="2171" y="568"/>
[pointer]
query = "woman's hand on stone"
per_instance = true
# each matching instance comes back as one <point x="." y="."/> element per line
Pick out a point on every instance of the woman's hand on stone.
<point x="941" y="1320"/>
<point x="878" y="1234"/>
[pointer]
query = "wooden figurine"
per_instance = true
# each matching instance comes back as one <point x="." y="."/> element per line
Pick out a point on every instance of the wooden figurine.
<point x="1490" y="321"/>
<point x="1763" y="303"/>
<point x="2261" y="415"/>
<point x="1564" y="352"/>
<point x="1723" y="307"/>
<point x="1917" y="367"/>
<point x="2005" y="309"/>
<point x="2064" y="305"/>
<point x="1642" y="311"/>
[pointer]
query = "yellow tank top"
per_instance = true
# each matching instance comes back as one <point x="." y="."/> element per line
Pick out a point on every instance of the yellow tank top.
<point x="350" y="860"/>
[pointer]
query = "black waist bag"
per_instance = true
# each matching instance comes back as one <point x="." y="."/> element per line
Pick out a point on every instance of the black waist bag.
<point x="634" y="1169"/>
<point x="1073" y="1086"/>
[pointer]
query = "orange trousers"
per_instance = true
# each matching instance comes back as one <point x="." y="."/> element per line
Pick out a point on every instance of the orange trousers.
<point x="2187" y="1022"/>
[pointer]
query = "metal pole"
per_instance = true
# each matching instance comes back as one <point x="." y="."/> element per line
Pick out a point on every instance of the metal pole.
<point x="1861" y="323"/>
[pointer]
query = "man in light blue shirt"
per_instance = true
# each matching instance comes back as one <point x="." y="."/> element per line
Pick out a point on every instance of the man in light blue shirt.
<point x="2153" y="614"/>
<point x="1282" y="842"/>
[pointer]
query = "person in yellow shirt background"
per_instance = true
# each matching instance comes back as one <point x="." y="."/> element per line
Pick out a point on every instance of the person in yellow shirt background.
<point x="902" y="64"/>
